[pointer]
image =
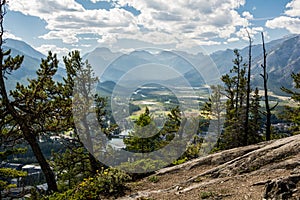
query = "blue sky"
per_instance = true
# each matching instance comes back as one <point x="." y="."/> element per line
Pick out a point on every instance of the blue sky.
<point x="124" y="25"/>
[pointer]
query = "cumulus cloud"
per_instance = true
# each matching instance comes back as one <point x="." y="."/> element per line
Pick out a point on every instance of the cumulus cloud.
<point x="180" y="22"/>
<point x="290" y="20"/>
<point x="53" y="48"/>
<point x="247" y="15"/>
<point x="293" y="8"/>
<point x="234" y="39"/>
<point x="243" y="33"/>
<point x="7" y="34"/>
<point x="289" y="23"/>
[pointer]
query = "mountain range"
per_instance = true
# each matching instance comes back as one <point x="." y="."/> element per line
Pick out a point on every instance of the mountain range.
<point x="173" y="67"/>
<point x="31" y="62"/>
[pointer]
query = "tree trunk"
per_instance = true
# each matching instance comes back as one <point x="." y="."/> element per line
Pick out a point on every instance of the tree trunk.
<point x="95" y="165"/>
<point x="49" y="175"/>
<point x="248" y="93"/>
<point x="265" y="77"/>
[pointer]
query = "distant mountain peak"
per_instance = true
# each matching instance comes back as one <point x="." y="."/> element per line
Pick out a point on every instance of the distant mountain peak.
<point x="23" y="47"/>
<point x="103" y="50"/>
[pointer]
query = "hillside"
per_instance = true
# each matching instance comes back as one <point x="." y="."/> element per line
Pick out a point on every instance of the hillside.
<point x="31" y="62"/>
<point x="269" y="170"/>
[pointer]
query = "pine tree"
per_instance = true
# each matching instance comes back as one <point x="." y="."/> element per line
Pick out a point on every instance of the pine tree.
<point x="34" y="109"/>
<point x="7" y="143"/>
<point x="172" y="124"/>
<point x="144" y="137"/>
<point x="217" y="107"/>
<point x="254" y="125"/>
<point x="80" y="83"/>
<point x="71" y="166"/>
<point x="235" y="91"/>
<point x="292" y="114"/>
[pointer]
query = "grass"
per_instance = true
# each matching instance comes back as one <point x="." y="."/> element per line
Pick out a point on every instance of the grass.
<point x="205" y="194"/>
<point x="153" y="179"/>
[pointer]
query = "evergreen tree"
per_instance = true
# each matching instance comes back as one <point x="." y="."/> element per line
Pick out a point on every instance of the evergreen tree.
<point x="236" y="91"/>
<point x="80" y="82"/>
<point x="82" y="150"/>
<point x="214" y="110"/>
<point x="7" y="143"/>
<point x="34" y="109"/>
<point x="292" y="114"/>
<point x="71" y="166"/>
<point x="255" y="118"/>
<point x="172" y="125"/>
<point x="144" y="137"/>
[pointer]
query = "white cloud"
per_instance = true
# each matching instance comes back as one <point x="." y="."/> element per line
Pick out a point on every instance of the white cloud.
<point x="108" y="39"/>
<point x="85" y="45"/>
<point x="53" y="48"/>
<point x="233" y="39"/>
<point x="181" y="22"/>
<point x="247" y="15"/>
<point x="293" y="8"/>
<point x="243" y="33"/>
<point x="7" y="34"/>
<point x="290" y="21"/>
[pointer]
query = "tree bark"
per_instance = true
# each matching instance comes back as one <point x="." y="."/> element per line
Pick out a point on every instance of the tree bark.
<point x="248" y="93"/>
<point x="265" y="78"/>
<point x="48" y="172"/>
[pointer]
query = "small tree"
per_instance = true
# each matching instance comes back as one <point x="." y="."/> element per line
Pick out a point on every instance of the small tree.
<point x="7" y="143"/>
<point x="293" y="114"/>
<point x="71" y="166"/>
<point x="145" y="136"/>
<point x="80" y="83"/>
<point x="254" y="125"/>
<point x="235" y="91"/>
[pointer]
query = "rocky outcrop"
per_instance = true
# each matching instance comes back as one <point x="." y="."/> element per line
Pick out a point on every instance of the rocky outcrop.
<point x="269" y="170"/>
<point x="283" y="188"/>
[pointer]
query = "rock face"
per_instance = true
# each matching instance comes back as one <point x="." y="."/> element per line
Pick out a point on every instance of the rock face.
<point x="269" y="170"/>
<point x="283" y="188"/>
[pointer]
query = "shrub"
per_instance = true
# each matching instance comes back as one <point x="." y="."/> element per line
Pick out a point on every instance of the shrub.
<point x="143" y="165"/>
<point x="153" y="179"/>
<point x="108" y="182"/>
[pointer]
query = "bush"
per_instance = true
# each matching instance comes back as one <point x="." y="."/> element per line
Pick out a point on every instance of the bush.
<point x="153" y="179"/>
<point x="143" y="165"/>
<point x="108" y="182"/>
<point x="180" y="161"/>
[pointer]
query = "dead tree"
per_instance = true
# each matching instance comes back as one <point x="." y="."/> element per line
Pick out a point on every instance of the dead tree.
<point x="265" y="79"/>
<point x="248" y="91"/>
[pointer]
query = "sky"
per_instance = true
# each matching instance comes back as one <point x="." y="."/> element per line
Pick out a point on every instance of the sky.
<point x="124" y="25"/>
